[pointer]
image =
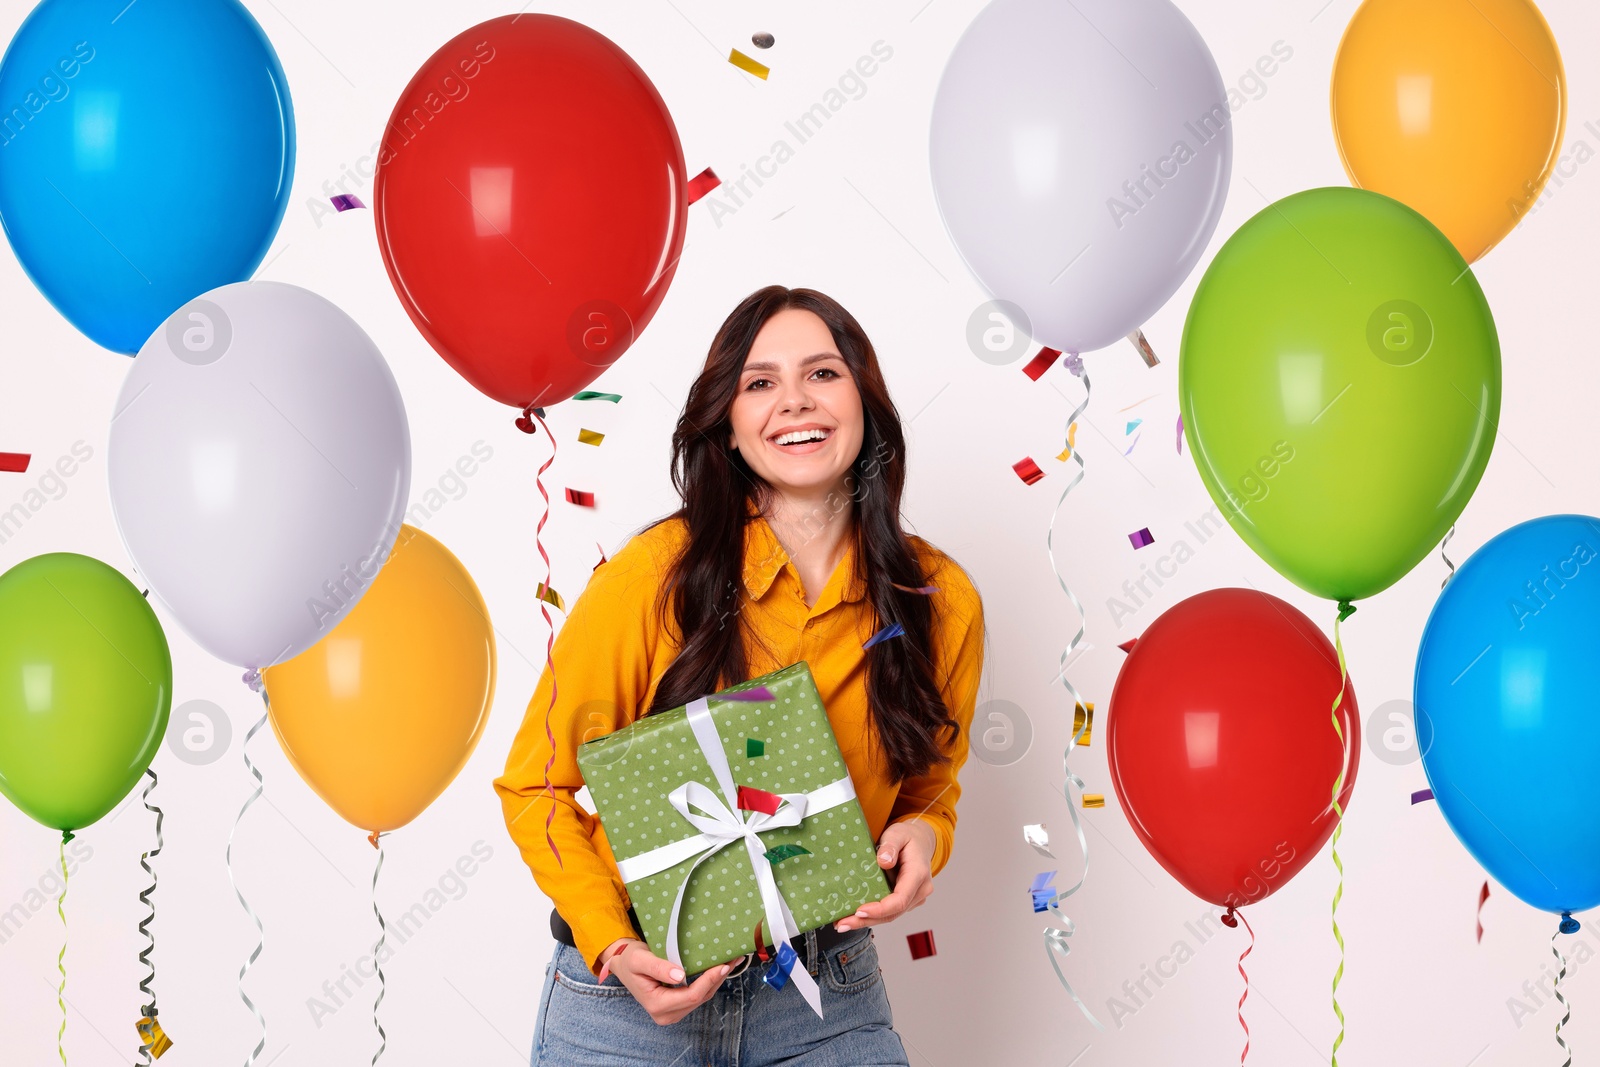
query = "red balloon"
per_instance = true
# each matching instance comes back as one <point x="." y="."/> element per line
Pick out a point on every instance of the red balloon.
<point x="1222" y="747"/>
<point x="530" y="201"/>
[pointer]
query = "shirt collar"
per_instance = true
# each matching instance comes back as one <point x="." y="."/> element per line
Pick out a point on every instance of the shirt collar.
<point x="764" y="557"/>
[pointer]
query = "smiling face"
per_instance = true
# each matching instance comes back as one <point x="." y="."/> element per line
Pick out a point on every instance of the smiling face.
<point x="797" y="414"/>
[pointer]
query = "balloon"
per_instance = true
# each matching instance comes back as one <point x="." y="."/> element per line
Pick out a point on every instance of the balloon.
<point x="259" y="462"/>
<point x="1456" y="109"/>
<point x="145" y="157"/>
<point x="1221" y="743"/>
<point x="532" y="232"/>
<point x="1340" y="387"/>
<point x="381" y="715"/>
<point x="1506" y="688"/>
<point x="1080" y="156"/>
<point x="85" y="688"/>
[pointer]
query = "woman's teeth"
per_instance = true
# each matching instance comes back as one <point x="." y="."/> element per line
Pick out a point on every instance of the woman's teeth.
<point x="800" y="436"/>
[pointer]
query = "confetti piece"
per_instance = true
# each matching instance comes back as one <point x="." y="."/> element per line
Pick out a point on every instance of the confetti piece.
<point x="602" y="557"/>
<point x="1083" y="719"/>
<point x="925" y="590"/>
<point x="550" y="596"/>
<point x="1072" y="442"/>
<point x="1139" y="538"/>
<point x="921" y="944"/>
<point x="1127" y="646"/>
<point x="1129" y="449"/>
<point x="590" y="394"/>
<point x="1132" y="426"/>
<point x="15" y="462"/>
<point x="1036" y="835"/>
<point x="760" y="692"/>
<point x="753" y="799"/>
<point x="779" y="853"/>
<point x="1027" y="470"/>
<point x="1483" y="895"/>
<point x="748" y="65"/>
<point x="345" y="202"/>
<point x="753" y="747"/>
<point x="590" y="437"/>
<point x="1180" y="435"/>
<point x="1042" y="892"/>
<point x="158" y="1042"/>
<point x="1146" y="353"/>
<point x="763" y="40"/>
<point x="1094" y="800"/>
<point x="1420" y="795"/>
<point x="580" y="498"/>
<point x="892" y="630"/>
<point x="703" y="183"/>
<point x="777" y="975"/>
<point x="1042" y="362"/>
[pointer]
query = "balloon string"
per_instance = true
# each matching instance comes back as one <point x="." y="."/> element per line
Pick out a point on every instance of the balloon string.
<point x="1556" y="989"/>
<point x="147" y="899"/>
<point x="261" y="936"/>
<point x="550" y="641"/>
<point x="1346" y="609"/>
<point x="1056" y="945"/>
<point x="1242" y="996"/>
<point x="377" y="950"/>
<point x="61" y="957"/>
<point x="1446" y="558"/>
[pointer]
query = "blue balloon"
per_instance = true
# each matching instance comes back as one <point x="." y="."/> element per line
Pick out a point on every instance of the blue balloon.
<point x="1508" y="709"/>
<point x="146" y="156"/>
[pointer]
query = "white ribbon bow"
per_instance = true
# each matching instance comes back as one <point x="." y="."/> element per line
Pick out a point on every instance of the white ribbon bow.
<point x="722" y="823"/>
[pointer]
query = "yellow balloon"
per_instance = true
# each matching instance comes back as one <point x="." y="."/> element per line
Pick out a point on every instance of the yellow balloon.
<point x="1454" y="107"/>
<point x="381" y="715"/>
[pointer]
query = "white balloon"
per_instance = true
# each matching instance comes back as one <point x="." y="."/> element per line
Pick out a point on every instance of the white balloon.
<point x="260" y="461"/>
<point x="1080" y="154"/>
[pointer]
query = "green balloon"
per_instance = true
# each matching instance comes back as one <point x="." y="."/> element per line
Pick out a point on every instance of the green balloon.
<point x="1340" y="387"/>
<point x="85" y="688"/>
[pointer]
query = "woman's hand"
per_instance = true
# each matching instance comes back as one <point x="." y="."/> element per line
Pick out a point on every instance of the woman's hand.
<point x="905" y="851"/>
<point x="653" y="981"/>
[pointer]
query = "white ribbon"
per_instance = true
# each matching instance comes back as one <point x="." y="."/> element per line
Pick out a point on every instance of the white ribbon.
<point x="722" y="823"/>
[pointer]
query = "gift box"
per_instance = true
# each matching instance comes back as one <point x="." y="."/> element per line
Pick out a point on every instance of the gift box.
<point x="698" y="802"/>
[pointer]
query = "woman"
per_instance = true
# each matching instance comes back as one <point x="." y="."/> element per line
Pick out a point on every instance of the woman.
<point x="788" y="547"/>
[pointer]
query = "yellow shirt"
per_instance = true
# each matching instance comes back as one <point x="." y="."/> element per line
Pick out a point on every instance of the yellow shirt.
<point x="613" y="650"/>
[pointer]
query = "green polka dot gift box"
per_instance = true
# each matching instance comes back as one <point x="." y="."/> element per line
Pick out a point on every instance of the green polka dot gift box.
<point x="698" y="803"/>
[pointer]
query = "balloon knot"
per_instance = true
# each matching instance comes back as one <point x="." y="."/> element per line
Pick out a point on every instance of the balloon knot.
<point x="66" y="835"/>
<point x="525" y="420"/>
<point x="373" y="838"/>
<point x="1346" y="609"/>
<point x="1569" y="925"/>
<point x="252" y="678"/>
<point x="1231" y="920"/>
<point x="1074" y="364"/>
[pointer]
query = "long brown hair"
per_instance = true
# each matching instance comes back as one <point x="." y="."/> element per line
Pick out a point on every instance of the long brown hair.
<point x="705" y="584"/>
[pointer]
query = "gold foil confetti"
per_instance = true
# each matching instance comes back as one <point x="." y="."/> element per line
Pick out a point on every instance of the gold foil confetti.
<point x="1094" y="800"/>
<point x="748" y="65"/>
<point x="590" y="437"/>
<point x="1083" y="720"/>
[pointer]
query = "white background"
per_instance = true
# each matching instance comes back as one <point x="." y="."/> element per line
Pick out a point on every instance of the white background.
<point x="852" y="214"/>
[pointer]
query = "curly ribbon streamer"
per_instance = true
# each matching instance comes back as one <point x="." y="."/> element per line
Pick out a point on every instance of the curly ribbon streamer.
<point x="1233" y="919"/>
<point x="526" y="426"/>
<point x="377" y="950"/>
<point x="253" y="680"/>
<point x="1056" y="945"/>
<point x="146" y="984"/>
<point x="61" y="957"/>
<point x="1346" y="609"/>
<point x="1446" y="558"/>
<point x="1569" y="925"/>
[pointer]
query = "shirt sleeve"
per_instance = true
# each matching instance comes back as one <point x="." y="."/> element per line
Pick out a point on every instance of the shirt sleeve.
<point x="600" y="675"/>
<point x="932" y="797"/>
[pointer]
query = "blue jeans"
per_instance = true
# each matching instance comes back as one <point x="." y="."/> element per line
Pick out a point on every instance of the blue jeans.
<point x="584" y="1023"/>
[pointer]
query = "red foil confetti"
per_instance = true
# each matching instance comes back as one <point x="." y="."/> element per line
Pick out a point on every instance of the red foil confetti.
<point x="1483" y="895"/>
<point x="602" y="557"/>
<point x="1139" y="538"/>
<point x="1042" y="362"/>
<point x="921" y="944"/>
<point x="15" y="462"/>
<point x="752" y="799"/>
<point x="1027" y="470"/>
<point x="580" y="498"/>
<point x="703" y="183"/>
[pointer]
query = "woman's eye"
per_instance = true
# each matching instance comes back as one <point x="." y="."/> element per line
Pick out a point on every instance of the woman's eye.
<point x="755" y="382"/>
<point x="828" y="370"/>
